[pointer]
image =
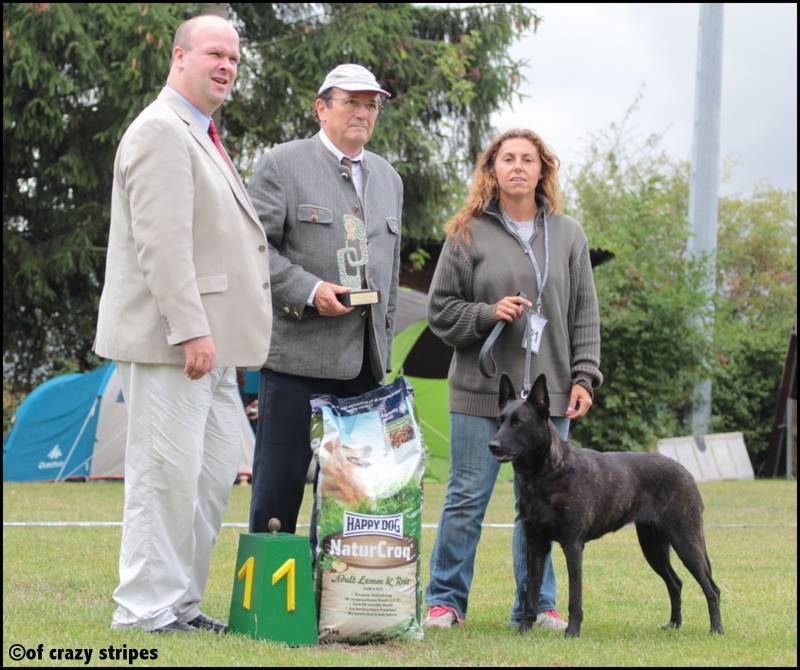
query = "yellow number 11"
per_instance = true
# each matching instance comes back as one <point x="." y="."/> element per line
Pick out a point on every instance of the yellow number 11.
<point x="246" y="573"/>
<point x="286" y="569"/>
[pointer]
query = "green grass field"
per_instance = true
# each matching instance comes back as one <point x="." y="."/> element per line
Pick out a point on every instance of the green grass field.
<point x="57" y="585"/>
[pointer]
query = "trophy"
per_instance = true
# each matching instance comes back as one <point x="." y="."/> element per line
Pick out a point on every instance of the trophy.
<point x="352" y="260"/>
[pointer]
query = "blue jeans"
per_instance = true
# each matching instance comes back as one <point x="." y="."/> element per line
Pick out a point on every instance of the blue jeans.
<point x="473" y="473"/>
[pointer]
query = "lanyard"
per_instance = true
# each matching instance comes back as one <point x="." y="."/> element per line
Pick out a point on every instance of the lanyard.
<point x="541" y="278"/>
<point x="526" y="377"/>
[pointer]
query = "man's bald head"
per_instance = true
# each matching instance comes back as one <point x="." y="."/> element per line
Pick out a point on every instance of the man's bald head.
<point x="205" y="60"/>
<point x="183" y="35"/>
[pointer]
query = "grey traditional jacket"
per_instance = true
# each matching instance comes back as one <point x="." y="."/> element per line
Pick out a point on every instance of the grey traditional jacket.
<point x="471" y="279"/>
<point x="319" y="229"/>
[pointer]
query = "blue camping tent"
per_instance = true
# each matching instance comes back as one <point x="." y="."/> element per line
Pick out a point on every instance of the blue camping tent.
<point x="74" y="427"/>
<point x="55" y="432"/>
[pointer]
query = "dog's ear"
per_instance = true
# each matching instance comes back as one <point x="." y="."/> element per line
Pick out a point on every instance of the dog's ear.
<point x="539" y="396"/>
<point x="507" y="391"/>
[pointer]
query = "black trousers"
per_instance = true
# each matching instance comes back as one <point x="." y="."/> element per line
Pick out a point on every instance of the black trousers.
<point x="283" y="452"/>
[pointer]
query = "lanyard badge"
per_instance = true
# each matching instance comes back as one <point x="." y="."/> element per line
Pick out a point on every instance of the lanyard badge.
<point x="533" y="331"/>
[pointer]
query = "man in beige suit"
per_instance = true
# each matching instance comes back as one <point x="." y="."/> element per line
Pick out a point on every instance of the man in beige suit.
<point x="186" y="300"/>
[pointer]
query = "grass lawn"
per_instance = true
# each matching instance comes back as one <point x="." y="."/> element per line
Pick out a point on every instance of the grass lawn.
<point x="57" y="585"/>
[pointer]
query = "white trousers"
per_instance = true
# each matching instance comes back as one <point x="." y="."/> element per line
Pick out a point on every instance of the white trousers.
<point x="181" y="459"/>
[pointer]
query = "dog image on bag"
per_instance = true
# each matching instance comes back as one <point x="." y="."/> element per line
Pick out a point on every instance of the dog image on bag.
<point x="341" y="466"/>
<point x="572" y="496"/>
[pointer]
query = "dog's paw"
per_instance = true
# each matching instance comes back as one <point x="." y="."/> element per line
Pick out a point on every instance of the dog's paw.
<point x="523" y="627"/>
<point x="572" y="631"/>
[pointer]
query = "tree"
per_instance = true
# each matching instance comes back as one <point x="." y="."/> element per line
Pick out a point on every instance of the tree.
<point x="446" y="68"/>
<point x="75" y="75"/>
<point x="633" y="200"/>
<point x="757" y="260"/>
<point x="755" y="309"/>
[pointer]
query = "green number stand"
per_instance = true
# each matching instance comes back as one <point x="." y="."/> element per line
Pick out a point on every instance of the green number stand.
<point x="273" y="594"/>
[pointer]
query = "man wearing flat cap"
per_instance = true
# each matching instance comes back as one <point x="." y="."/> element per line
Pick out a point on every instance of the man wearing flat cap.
<point x="331" y="211"/>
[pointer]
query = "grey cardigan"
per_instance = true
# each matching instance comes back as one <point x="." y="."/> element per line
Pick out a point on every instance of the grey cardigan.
<point x="302" y="201"/>
<point x="470" y="279"/>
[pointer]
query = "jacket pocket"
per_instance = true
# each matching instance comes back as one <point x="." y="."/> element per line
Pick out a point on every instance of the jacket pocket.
<point x="393" y="225"/>
<point x="314" y="214"/>
<point x="216" y="283"/>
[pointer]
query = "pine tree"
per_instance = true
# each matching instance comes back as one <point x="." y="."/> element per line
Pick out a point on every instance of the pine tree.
<point x="76" y="74"/>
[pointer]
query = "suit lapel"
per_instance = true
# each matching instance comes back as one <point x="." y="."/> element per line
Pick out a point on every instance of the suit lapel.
<point x="200" y="134"/>
<point x="233" y="179"/>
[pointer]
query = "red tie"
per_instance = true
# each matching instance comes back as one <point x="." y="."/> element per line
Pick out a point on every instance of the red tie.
<point x="214" y="135"/>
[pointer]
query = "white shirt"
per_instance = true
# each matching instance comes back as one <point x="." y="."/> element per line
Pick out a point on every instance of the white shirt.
<point x="525" y="228"/>
<point x="356" y="171"/>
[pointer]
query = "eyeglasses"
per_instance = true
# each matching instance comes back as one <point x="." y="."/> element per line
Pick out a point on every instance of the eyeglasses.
<point x="353" y="104"/>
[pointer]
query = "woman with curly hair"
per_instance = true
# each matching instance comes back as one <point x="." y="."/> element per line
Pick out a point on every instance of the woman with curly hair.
<point x="510" y="255"/>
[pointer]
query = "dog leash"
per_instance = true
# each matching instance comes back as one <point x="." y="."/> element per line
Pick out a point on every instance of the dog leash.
<point x="541" y="280"/>
<point x="486" y="356"/>
<point x="486" y="350"/>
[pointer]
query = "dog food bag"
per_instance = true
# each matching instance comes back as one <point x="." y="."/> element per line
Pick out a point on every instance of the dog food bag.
<point x="368" y="515"/>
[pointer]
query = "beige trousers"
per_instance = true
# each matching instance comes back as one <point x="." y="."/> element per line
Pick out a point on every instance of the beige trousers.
<point x="181" y="460"/>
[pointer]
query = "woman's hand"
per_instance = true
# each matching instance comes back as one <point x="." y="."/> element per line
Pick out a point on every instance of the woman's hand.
<point x="511" y="307"/>
<point x="580" y="400"/>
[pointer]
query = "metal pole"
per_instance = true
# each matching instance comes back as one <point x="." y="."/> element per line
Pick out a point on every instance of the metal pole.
<point x="704" y="182"/>
<point x="789" y="426"/>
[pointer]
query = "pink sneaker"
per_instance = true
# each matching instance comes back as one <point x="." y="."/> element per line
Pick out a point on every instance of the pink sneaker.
<point x="441" y="616"/>
<point x="550" y="620"/>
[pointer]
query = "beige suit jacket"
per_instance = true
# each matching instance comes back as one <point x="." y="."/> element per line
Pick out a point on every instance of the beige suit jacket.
<point x="187" y="255"/>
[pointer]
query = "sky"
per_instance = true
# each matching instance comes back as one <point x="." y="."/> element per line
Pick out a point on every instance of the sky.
<point x="588" y="63"/>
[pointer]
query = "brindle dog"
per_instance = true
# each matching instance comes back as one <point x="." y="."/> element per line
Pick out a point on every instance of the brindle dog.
<point x="571" y="496"/>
